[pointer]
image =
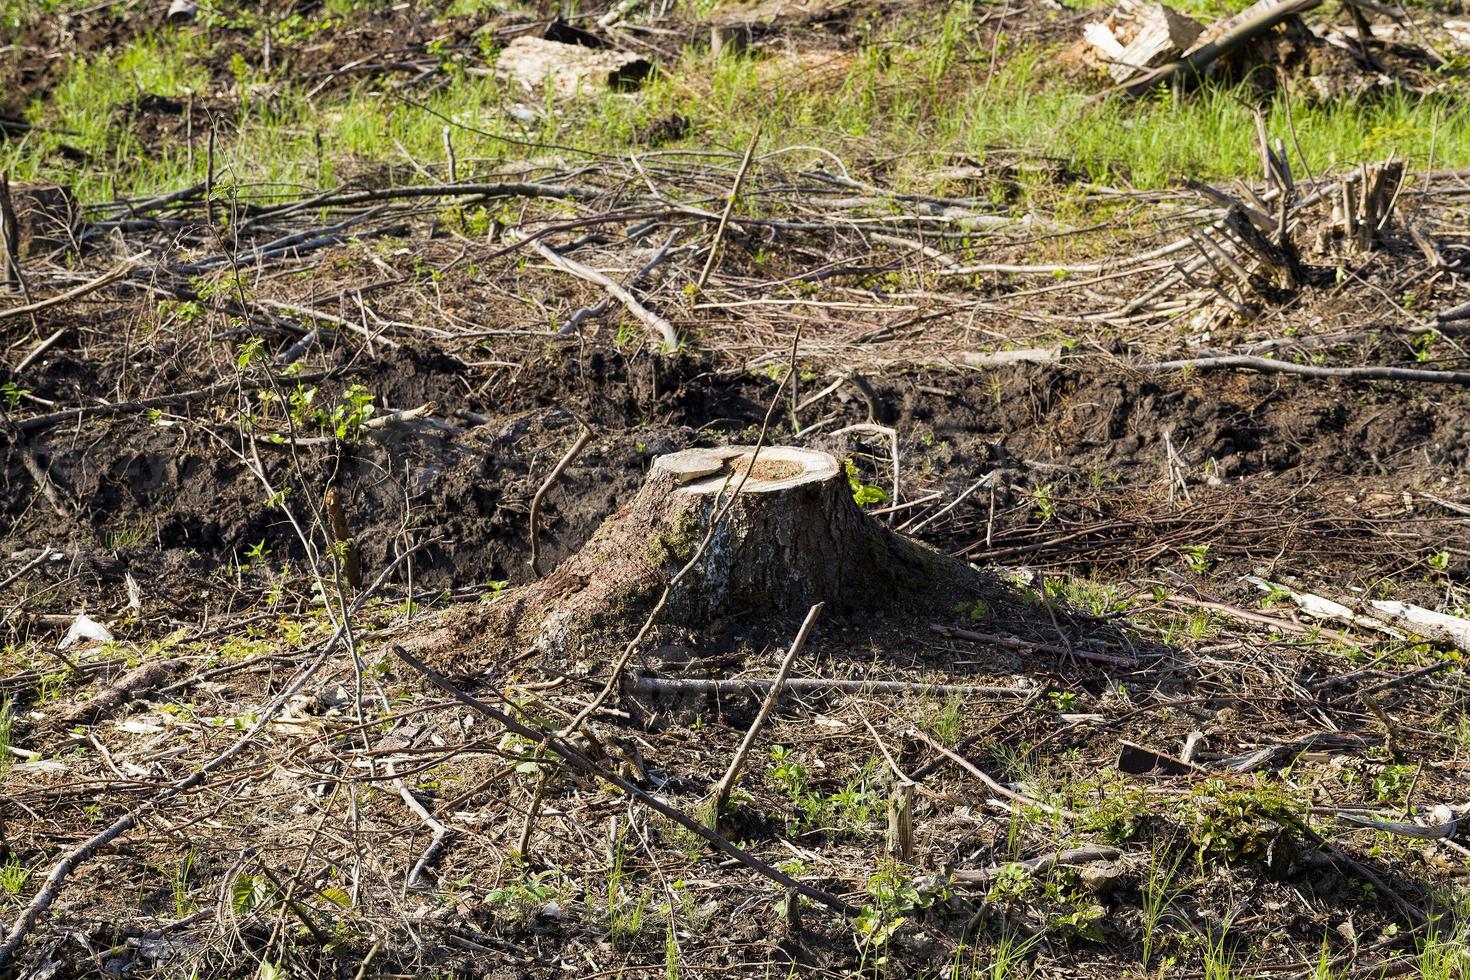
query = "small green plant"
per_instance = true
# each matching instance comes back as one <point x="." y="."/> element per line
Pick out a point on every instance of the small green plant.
<point x="945" y="721"/>
<point x="13" y="877"/>
<point x="1323" y="968"/>
<point x="1236" y="823"/>
<point x="7" y="722"/>
<point x="891" y="899"/>
<point x="1391" y="782"/>
<point x="1219" y="954"/>
<point x="246" y="353"/>
<point x="179" y="884"/>
<point x="1440" y="561"/>
<point x="1444" y="950"/>
<point x="1159" y="895"/>
<point x="1046" y="508"/>
<point x="977" y="610"/>
<point x="1006" y="959"/>
<point x="863" y="494"/>
<point x="671" y="951"/>
<point x="1063" y="700"/>
<point x="350" y="414"/>
<point x="1197" y="557"/>
<point x="624" y="914"/>
<point x="11" y="393"/>
<point x="524" y="896"/>
<point x="255" y="554"/>
<point x="249" y="892"/>
<point x="787" y="771"/>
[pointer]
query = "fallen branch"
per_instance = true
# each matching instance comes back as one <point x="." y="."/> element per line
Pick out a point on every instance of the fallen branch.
<point x="136" y="683"/>
<point x="507" y="189"/>
<point x="90" y="286"/>
<point x="46" y="552"/>
<point x="994" y="786"/>
<point x="1031" y="646"/>
<point x="756" y="686"/>
<point x="727" y="782"/>
<point x="442" y="834"/>
<point x="37" y="422"/>
<point x="652" y="320"/>
<point x="1436" y="626"/>
<point x="1268" y="366"/>
<point x="574" y="757"/>
<point x="734" y="195"/>
<point x="597" y="309"/>
<point x="41" y="348"/>
<point x="1069" y="858"/>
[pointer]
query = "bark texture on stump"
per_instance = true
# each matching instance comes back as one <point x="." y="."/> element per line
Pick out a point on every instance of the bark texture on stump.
<point x="791" y="537"/>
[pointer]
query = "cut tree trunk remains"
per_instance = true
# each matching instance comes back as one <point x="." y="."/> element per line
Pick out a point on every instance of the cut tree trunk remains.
<point x="790" y="538"/>
<point x="1220" y="40"/>
<point x="1159" y="34"/>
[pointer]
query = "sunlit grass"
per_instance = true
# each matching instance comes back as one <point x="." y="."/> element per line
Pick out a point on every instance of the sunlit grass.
<point x="917" y="92"/>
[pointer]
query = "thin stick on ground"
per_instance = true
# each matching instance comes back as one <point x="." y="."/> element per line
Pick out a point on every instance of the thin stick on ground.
<point x="583" y="438"/>
<point x="727" y="782"/>
<point x="714" y="248"/>
<point x="1268" y="366"/>
<point x="76" y="292"/>
<point x="442" y="834"/>
<point x="1067" y="858"/>
<point x="994" y="786"/>
<point x="579" y="761"/>
<point x="755" y="686"/>
<point x="652" y="320"/>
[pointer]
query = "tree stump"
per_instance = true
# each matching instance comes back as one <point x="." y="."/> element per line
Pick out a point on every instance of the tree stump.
<point x="791" y="536"/>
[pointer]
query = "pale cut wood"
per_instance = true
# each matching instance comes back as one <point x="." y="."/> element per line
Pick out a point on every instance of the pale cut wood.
<point x="569" y="70"/>
<point x="1163" y="34"/>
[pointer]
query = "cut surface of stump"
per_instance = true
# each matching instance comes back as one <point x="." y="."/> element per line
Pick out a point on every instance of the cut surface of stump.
<point x="783" y="533"/>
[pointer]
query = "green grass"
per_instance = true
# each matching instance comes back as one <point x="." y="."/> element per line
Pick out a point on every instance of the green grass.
<point x="917" y="91"/>
<point x="7" y="720"/>
<point x="13" y="878"/>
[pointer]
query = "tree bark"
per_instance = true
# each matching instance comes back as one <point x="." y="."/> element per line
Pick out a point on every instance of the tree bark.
<point x="783" y="533"/>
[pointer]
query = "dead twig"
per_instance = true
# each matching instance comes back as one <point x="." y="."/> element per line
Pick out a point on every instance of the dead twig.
<point x="994" y="786"/>
<point x="583" y="438"/>
<point x="653" y="321"/>
<point x="756" y="686"/>
<point x="734" y="196"/>
<point x="1016" y="643"/>
<point x="574" y="757"/>
<point x="76" y="292"/>
<point x="727" y="781"/>
<point x="1268" y="366"/>
<point x="442" y="834"/>
<point x="1069" y="858"/>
